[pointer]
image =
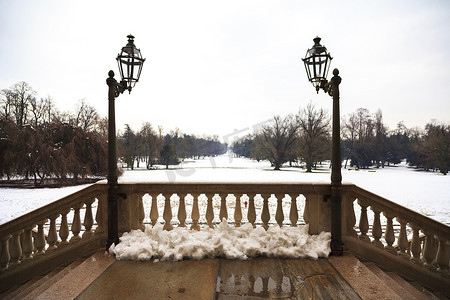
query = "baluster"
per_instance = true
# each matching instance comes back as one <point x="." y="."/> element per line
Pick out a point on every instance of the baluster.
<point x="167" y="214"/>
<point x="402" y="241"/>
<point x="39" y="241"/>
<point x="209" y="210"/>
<point x="15" y="249"/>
<point x="389" y="236"/>
<point x="251" y="212"/>
<point x="154" y="214"/>
<point x="141" y="217"/>
<point x="348" y="215"/>
<point x="265" y="215"/>
<point x="238" y="212"/>
<point x="4" y="261"/>
<point x="442" y="256"/>
<point x="182" y="211"/>
<point x="429" y="251"/>
<point x="279" y="216"/>
<point x="223" y="207"/>
<point x="27" y="246"/>
<point x="416" y="247"/>
<point x="195" y="215"/>
<point x="363" y="221"/>
<point x="100" y="214"/>
<point x="306" y="211"/>
<point x="376" y="228"/>
<point x="293" y="213"/>
<point x="64" y="229"/>
<point x="88" y="219"/>
<point x="52" y="237"/>
<point x="76" y="224"/>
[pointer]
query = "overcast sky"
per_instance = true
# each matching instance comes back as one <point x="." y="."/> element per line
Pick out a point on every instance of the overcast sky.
<point x="215" y="66"/>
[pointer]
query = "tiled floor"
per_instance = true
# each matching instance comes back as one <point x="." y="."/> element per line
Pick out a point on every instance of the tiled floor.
<point x="260" y="278"/>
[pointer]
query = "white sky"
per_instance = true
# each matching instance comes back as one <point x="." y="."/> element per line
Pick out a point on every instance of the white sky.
<point x="216" y="66"/>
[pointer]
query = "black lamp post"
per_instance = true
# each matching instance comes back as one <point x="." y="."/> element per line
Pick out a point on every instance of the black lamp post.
<point x="317" y="63"/>
<point x="130" y="65"/>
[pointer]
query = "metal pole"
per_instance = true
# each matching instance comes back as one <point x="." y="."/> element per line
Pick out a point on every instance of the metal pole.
<point x="113" y="214"/>
<point x="336" y="176"/>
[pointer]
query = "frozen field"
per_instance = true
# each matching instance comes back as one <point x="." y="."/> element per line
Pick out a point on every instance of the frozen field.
<point x="425" y="192"/>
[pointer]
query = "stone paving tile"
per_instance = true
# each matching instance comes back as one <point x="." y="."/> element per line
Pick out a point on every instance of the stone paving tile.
<point x="259" y="278"/>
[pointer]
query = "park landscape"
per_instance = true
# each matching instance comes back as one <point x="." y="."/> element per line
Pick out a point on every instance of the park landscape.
<point x="221" y="164"/>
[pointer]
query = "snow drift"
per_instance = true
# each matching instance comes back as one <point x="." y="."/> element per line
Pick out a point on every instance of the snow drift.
<point x="223" y="241"/>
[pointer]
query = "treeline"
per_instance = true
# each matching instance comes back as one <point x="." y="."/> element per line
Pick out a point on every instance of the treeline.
<point x="151" y="146"/>
<point x="304" y="137"/>
<point x="366" y="141"/>
<point x="39" y="142"/>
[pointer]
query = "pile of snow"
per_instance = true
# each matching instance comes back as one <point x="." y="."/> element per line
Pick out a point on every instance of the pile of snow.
<point x="224" y="241"/>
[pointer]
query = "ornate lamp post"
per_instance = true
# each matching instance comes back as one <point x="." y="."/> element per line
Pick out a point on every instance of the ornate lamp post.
<point x="130" y="63"/>
<point x="317" y="63"/>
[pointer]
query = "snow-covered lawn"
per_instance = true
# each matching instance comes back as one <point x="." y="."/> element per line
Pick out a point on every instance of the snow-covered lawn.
<point x="16" y="202"/>
<point x="425" y="192"/>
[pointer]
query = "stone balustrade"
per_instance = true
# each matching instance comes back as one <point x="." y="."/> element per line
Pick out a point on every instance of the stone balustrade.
<point x="206" y="204"/>
<point x="52" y="231"/>
<point x="393" y="230"/>
<point x="66" y="229"/>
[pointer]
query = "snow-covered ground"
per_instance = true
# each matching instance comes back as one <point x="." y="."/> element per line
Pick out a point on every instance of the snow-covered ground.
<point x="425" y="192"/>
<point x="16" y="202"/>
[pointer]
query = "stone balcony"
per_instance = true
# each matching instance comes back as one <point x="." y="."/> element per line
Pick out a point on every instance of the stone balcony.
<point x="394" y="239"/>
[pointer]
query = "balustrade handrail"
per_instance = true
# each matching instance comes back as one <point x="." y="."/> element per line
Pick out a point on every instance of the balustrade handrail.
<point x="399" y="211"/>
<point x="55" y="207"/>
<point x="230" y="188"/>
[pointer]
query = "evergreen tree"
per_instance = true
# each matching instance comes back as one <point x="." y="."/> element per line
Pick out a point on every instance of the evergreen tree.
<point x="436" y="146"/>
<point x="168" y="156"/>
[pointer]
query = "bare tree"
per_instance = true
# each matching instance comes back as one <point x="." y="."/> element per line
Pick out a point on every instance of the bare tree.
<point x="359" y="130"/>
<point x="6" y="103"/>
<point x="276" y="141"/>
<point x="380" y="145"/>
<point x="49" y="109"/>
<point x="151" y="144"/>
<point x="86" y="116"/>
<point x="21" y="94"/>
<point x="38" y="110"/>
<point x="314" y="144"/>
<point x="102" y="128"/>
